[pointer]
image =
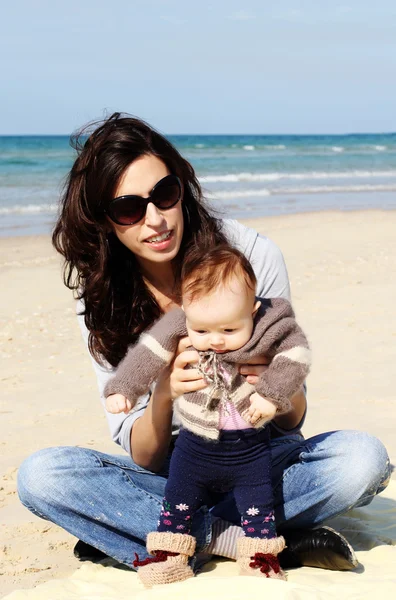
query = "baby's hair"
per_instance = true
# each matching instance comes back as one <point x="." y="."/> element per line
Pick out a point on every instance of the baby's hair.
<point x="205" y="269"/>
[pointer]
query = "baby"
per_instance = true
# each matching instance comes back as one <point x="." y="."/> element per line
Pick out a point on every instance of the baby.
<point x="223" y="443"/>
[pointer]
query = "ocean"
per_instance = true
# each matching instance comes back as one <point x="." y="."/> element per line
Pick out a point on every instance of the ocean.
<point x="243" y="176"/>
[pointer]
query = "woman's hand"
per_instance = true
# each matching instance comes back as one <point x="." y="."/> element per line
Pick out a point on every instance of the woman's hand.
<point x="184" y="380"/>
<point x="254" y="368"/>
<point x="176" y="380"/>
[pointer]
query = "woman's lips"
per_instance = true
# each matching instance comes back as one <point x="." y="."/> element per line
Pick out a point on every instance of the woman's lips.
<point x="160" y="241"/>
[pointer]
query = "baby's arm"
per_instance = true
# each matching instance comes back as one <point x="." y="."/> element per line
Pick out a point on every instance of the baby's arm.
<point x="291" y="358"/>
<point x="144" y="361"/>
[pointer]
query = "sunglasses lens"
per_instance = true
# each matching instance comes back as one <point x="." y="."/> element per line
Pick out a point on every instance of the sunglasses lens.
<point x="127" y="210"/>
<point x="166" y="194"/>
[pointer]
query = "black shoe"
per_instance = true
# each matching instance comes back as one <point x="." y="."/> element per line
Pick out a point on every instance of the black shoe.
<point x="84" y="551"/>
<point x="323" y="548"/>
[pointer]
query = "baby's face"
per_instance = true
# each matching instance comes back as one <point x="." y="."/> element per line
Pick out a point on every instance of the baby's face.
<point x="223" y="320"/>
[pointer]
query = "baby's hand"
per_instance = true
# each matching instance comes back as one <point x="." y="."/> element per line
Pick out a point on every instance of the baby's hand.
<point x="117" y="403"/>
<point x="260" y="408"/>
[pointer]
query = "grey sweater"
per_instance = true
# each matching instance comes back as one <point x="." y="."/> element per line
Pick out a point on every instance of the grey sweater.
<point x="276" y="334"/>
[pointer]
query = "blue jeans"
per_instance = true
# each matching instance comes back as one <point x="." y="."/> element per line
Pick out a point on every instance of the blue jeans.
<point x="112" y="503"/>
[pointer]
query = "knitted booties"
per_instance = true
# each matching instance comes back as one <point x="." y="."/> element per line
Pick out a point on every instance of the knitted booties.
<point x="258" y="556"/>
<point x="170" y="555"/>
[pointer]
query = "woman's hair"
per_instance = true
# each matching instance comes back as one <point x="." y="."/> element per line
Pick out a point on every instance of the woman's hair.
<point x="206" y="269"/>
<point x="104" y="274"/>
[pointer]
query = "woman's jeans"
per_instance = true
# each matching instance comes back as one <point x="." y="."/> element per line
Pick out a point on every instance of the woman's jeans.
<point x="112" y="503"/>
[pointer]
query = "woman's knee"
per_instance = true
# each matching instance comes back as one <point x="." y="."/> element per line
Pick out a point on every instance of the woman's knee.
<point x="43" y="474"/>
<point x="364" y="468"/>
<point x="371" y="465"/>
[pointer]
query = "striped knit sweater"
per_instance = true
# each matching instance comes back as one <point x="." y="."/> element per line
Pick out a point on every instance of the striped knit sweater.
<point x="275" y="334"/>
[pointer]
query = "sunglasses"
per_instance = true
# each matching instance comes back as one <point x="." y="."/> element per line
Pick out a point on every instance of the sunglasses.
<point x="130" y="209"/>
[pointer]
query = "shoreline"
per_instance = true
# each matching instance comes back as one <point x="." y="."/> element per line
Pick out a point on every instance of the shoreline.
<point x="247" y="220"/>
<point x="342" y="268"/>
<point x="272" y="206"/>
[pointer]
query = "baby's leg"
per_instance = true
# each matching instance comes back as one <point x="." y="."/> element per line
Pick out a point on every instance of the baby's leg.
<point x="184" y="495"/>
<point x="172" y="545"/>
<point x="255" y="505"/>
<point x="257" y="551"/>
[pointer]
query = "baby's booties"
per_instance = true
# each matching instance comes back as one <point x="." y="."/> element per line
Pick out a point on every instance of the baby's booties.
<point x="170" y="556"/>
<point x="257" y="556"/>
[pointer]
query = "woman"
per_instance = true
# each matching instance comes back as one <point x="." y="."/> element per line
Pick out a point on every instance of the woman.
<point x="131" y="206"/>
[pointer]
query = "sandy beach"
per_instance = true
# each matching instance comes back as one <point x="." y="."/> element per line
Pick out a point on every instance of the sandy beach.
<point x="342" y="268"/>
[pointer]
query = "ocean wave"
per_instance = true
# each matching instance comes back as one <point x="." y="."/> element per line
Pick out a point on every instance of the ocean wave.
<point x="237" y="177"/>
<point x="225" y="195"/>
<point x="318" y="189"/>
<point x="28" y="209"/>
<point x="292" y="148"/>
<point x="255" y="146"/>
<point x="323" y="189"/>
<point x="19" y="161"/>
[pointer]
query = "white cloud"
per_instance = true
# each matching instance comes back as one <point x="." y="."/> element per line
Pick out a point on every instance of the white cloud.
<point x="173" y="20"/>
<point x="342" y="8"/>
<point x="289" y="15"/>
<point x="241" y="15"/>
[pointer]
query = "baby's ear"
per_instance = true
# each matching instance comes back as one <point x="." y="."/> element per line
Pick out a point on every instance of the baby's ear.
<point x="256" y="307"/>
<point x="182" y="307"/>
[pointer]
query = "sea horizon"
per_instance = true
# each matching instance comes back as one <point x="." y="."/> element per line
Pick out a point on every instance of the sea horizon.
<point x="324" y="134"/>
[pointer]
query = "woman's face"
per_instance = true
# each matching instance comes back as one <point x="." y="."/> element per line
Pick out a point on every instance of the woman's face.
<point x="142" y="238"/>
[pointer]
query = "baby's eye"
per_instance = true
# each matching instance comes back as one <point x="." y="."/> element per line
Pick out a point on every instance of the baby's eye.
<point x="229" y="330"/>
<point x="201" y="331"/>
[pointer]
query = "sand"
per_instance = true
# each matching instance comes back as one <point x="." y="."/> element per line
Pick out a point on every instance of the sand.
<point x="342" y="268"/>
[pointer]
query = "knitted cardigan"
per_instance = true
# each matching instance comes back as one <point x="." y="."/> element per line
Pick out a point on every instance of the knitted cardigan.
<point x="275" y="334"/>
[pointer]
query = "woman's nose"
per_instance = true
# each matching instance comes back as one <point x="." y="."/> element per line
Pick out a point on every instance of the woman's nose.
<point x="153" y="216"/>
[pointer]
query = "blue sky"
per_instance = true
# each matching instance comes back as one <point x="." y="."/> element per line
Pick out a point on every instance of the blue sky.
<point x="257" y="66"/>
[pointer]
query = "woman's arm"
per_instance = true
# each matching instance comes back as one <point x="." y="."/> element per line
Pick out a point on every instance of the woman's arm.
<point x="151" y="433"/>
<point x="295" y="416"/>
<point x="148" y="443"/>
<point x="120" y="425"/>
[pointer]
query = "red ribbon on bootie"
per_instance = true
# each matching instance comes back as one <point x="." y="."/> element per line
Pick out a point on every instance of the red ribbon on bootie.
<point x="265" y="562"/>
<point x="159" y="556"/>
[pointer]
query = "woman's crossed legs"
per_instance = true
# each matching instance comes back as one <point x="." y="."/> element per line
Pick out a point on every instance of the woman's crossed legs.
<point x="112" y="504"/>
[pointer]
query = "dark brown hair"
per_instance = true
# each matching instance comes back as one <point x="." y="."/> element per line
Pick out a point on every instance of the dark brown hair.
<point x="205" y="269"/>
<point x="103" y="273"/>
